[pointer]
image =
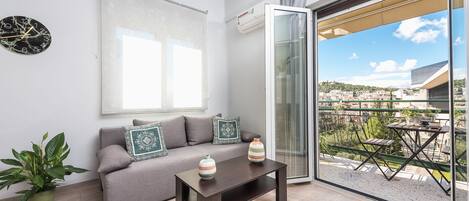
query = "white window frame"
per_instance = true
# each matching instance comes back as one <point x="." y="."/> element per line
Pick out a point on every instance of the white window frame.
<point x="166" y="29"/>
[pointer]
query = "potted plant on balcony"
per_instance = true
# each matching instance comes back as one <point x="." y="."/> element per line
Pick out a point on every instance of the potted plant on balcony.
<point x="459" y="116"/>
<point x="41" y="168"/>
<point x="429" y="116"/>
<point x="411" y="116"/>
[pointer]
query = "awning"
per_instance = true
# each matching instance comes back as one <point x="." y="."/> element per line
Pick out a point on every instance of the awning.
<point x="377" y="13"/>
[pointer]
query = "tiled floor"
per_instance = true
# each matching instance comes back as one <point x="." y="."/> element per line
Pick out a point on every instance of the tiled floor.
<point x="411" y="184"/>
<point x="90" y="191"/>
<point x="313" y="192"/>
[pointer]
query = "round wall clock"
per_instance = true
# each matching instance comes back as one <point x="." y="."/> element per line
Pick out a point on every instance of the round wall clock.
<point x="24" y="35"/>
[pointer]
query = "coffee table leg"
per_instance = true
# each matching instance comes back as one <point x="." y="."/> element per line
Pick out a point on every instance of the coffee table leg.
<point x="281" y="188"/>
<point x="216" y="197"/>
<point x="182" y="191"/>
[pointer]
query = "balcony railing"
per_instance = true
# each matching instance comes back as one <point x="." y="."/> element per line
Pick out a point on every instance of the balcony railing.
<point x="390" y="108"/>
<point x="337" y="139"/>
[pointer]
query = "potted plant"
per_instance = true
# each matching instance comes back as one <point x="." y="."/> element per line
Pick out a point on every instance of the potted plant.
<point x="42" y="168"/>
<point x="459" y="117"/>
<point x="410" y="115"/>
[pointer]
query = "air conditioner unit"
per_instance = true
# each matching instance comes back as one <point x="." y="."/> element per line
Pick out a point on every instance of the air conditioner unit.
<point x="252" y="19"/>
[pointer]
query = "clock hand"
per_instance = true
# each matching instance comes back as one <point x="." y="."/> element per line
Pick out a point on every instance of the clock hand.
<point x="27" y="33"/>
<point x="3" y="37"/>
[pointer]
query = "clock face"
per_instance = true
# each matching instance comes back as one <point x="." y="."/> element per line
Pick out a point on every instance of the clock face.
<point x="24" y="35"/>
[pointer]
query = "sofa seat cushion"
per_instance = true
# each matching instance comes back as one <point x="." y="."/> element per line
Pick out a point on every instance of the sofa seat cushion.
<point x="154" y="179"/>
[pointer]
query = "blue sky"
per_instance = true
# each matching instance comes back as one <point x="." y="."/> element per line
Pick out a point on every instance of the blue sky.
<point x="384" y="56"/>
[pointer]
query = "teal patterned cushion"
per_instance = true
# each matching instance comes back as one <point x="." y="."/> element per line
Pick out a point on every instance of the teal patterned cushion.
<point x="226" y="131"/>
<point x="145" y="142"/>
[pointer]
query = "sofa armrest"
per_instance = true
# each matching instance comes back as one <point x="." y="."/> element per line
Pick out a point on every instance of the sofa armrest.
<point x="112" y="158"/>
<point x="248" y="136"/>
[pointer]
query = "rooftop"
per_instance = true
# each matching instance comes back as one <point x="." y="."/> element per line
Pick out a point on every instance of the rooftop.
<point x="430" y="76"/>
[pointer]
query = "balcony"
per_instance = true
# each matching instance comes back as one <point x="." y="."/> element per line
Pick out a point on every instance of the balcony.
<point x="341" y="150"/>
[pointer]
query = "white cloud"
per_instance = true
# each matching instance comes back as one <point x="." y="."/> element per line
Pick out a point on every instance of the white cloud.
<point x="409" y="64"/>
<point x="354" y="56"/>
<point x="458" y="41"/>
<point x="398" y="80"/>
<point x="407" y="28"/>
<point x="385" y="66"/>
<point x="388" y="73"/>
<point x="391" y="66"/>
<point x="425" y="36"/>
<point x="421" y="30"/>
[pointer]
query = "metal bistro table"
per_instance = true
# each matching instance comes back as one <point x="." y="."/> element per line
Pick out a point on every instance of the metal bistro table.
<point x="416" y="146"/>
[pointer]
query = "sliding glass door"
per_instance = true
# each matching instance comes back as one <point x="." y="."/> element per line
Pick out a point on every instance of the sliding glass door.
<point x="386" y="99"/>
<point x="458" y="44"/>
<point x="288" y="75"/>
<point x="392" y="98"/>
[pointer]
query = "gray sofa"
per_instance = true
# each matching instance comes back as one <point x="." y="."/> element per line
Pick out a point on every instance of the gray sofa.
<point x="153" y="179"/>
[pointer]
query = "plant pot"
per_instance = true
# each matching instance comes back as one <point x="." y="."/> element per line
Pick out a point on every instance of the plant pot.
<point x="43" y="196"/>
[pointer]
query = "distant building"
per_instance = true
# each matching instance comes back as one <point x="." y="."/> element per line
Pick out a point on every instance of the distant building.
<point x="434" y="79"/>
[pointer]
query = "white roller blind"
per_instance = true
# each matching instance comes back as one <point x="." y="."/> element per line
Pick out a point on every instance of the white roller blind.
<point x="153" y="57"/>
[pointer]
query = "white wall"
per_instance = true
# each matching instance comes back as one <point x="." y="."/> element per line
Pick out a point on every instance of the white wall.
<point x="246" y="64"/>
<point x="59" y="89"/>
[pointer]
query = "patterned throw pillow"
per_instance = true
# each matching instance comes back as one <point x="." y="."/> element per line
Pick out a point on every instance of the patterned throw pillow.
<point x="145" y="142"/>
<point x="226" y="131"/>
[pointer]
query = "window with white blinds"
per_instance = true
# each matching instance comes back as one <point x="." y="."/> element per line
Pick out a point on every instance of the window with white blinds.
<point x="153" y="57"/>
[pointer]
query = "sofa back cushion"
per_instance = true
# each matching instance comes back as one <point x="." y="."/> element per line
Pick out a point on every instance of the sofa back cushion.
<point x="199" y="129"/>
<point x="174" y="132"/>
<point x="112" y="136"/>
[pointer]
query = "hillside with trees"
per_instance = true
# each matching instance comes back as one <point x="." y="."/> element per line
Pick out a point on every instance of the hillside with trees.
<point x="329" y="86"/>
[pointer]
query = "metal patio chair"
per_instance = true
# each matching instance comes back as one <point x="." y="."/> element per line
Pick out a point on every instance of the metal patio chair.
<point x="446" y="149"/>
<point x="358" y="123"/>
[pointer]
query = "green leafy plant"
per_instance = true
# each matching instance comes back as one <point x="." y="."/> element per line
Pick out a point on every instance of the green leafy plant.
<point x="459" y="114"/>
<point x="431" y="113"/>
<point x="42" y="167"/>
<point x="324" y="146"/>
<point x="410" y="113"/>
<point x="340" y="106"/>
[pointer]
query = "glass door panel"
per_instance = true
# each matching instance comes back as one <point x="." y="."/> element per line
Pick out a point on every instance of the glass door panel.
<point x="382" y="70"/>
<point x="459" y="75"/>
<point x="287" y="85"/>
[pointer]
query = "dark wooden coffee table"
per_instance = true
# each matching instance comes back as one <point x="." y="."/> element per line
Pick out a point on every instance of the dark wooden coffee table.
<point x="236" y="179"/>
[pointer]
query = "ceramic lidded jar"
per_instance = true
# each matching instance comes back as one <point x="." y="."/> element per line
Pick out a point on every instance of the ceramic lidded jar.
<point x="256" y="151"/>
<point x="207" y="168"/>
